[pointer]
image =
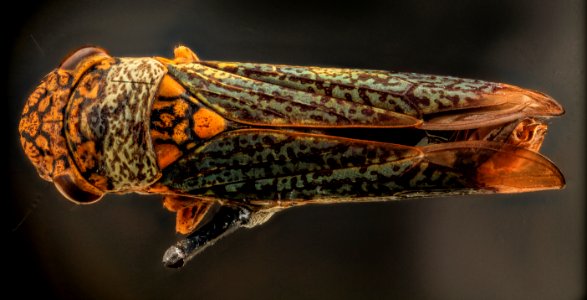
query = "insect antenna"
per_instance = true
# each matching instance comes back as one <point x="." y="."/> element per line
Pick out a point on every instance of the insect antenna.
<point x="29" y="211"/>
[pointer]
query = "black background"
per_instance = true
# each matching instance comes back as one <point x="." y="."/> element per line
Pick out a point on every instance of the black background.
<point x="527" y="246"/>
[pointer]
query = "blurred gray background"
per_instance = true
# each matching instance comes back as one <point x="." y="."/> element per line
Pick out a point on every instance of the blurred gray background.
<point x="528" y="246"/>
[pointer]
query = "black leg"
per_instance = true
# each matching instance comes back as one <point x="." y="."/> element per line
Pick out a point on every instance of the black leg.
<point x="225" y="221"/>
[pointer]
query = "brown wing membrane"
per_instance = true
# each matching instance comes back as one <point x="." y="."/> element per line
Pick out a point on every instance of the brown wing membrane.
<point x="508" y="103"/>
<point x="503" y="167"/>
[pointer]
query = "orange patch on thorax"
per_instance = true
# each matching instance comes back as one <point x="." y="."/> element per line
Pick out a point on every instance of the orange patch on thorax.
<point x="208" y="123"/>
<point x="170" y="88"/>
<point x="166" y="154"/>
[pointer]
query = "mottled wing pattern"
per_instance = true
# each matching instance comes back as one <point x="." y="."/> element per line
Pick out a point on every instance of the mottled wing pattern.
<point x="272" y="167"/>
<point x="259" y="165"/>
<point x="254" y="102"/>
<point x="441" y="102"/>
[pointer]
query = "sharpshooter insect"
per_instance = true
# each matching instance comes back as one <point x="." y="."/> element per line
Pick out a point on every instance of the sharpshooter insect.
<point x="228" y="144"/>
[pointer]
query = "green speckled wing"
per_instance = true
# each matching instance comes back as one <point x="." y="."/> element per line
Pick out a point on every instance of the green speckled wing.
<point x="258" y="166"/>
<point x="268" y="165"/>
<point x="258" y="103"/>
<point x="254" y="102"/>
<point x="439" y="102"/>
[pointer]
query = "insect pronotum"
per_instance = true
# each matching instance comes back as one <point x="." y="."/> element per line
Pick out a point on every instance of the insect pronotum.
<point x="228" y="144"/>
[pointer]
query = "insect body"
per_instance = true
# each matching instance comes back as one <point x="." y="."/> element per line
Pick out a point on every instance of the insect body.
<point x="229" y="144"/>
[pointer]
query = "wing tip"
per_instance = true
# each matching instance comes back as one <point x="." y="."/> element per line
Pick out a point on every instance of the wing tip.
<point x="502" y="168"/>
<point x="537" y="103"/>
<point x="518" y="170"/>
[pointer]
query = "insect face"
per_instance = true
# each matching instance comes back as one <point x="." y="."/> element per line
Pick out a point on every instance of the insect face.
<point x="42" y="126"/>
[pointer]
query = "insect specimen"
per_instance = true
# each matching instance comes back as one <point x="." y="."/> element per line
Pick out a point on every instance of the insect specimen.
<point x="228" y="144"/>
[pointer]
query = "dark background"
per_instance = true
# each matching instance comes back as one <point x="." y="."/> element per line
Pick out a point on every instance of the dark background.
<point x="528" y="246"/>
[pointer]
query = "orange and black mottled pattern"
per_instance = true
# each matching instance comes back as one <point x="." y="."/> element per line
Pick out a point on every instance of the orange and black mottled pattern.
<point x="170" y="128"/>
<point x="179" y="122"/>
<point x="41" y="125"/>
<point x="86" y="153"/>
<point x="86" y="126"/>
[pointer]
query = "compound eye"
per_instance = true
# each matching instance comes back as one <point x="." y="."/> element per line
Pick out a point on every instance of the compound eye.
<point x="73" y="191"/>
<point x="72" y="61"/>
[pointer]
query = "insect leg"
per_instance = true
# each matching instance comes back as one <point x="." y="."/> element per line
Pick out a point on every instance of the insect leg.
<point x="225" y="221"/>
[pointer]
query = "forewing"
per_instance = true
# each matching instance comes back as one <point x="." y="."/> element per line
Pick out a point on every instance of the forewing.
<point x="250" y="101"/>
<point x="442" y="102"/>
<point x="268" y="165"/>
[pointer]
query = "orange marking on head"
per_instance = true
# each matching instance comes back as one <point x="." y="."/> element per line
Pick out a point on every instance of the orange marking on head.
<point x="167" y="154"/>
<point x="93" y="92"/>
<point x="49" y="163"/>
<point x="73" y="132"/>
<point x="41" y="91"/>
<point x="101" y="60"/>
<point x="60" y="166"/>
<point x="52" y="82"/>
<point x="50" y="127"/>
<point x="170" y="88"/>
<point x="104" y="64"/>
<point x="99" y="181"/>
<point x="44" y="104"/>
<point x="53" y="115"/>
<point x="88" y="87"/>
<point x="30" y="124"/>
<point x="31" y="150"/>
<point x="42" y="143"/>
<point x="86" y="156"/>
<point x="208" y="123"/>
